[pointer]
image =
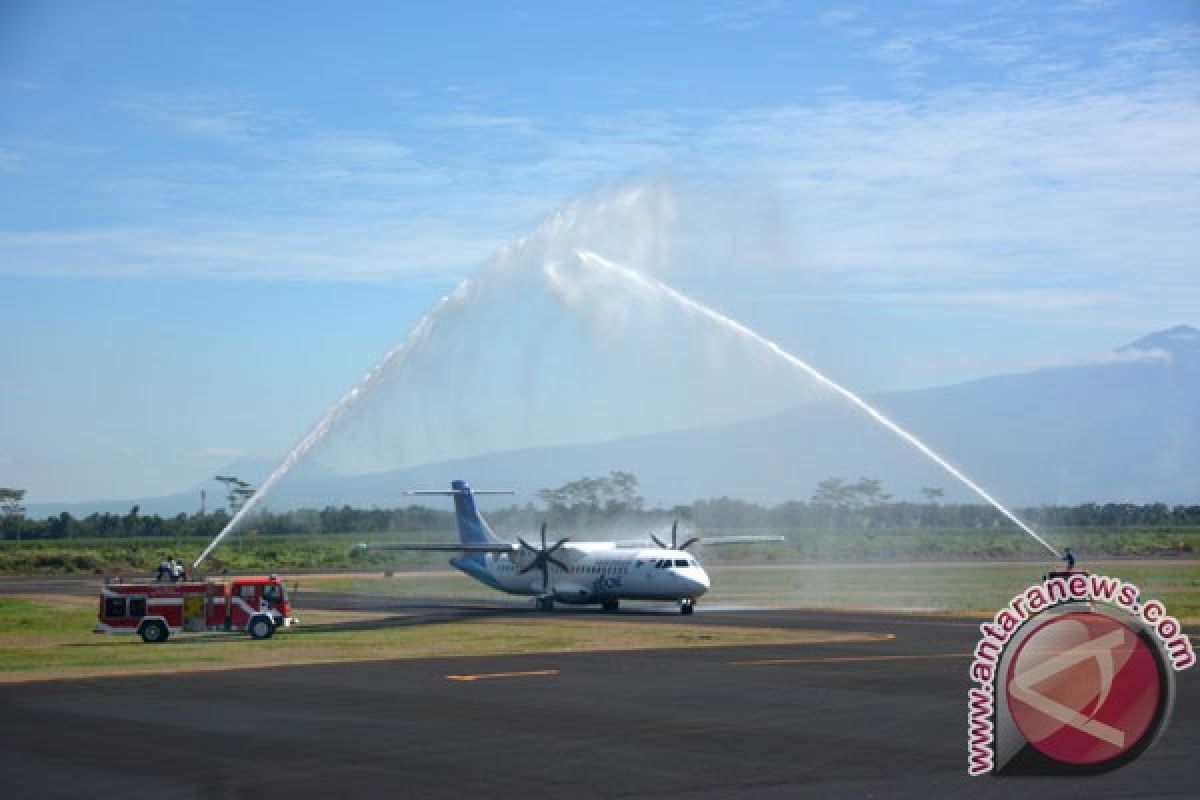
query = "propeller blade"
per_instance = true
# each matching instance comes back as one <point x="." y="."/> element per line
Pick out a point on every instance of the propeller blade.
<point x="674" y="533"/>
<point x="543" y="558"/>
<point x="659" y="542"/>
<point x="689" y="543"/>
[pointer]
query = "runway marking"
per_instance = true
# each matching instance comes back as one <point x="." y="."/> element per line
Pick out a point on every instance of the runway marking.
<point x="846" y="659"/>
<point x="488" y="675"/>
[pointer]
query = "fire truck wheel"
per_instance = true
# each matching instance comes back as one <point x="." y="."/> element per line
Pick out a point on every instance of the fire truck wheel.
<point x="261" y="627"/>
<point x="154" y="632"/>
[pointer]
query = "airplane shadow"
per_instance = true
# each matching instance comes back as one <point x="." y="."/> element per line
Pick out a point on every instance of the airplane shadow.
<point x="411" y="612"/>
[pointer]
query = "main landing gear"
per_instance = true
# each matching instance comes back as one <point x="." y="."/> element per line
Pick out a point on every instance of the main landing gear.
<point x="610" y="605"/>
<point x="545" y="603"/>
<point x="687" y="605"/>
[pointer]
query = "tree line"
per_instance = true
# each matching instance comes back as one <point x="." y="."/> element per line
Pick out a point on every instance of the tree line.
<point x="595" y="501"/>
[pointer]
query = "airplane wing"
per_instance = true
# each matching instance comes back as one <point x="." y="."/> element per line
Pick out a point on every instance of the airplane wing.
<point x="712" y="541"/>
<point x="442" y="547"/>
<point x="722" y="540"/>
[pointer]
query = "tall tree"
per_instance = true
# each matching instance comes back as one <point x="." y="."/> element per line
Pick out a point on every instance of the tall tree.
<point x="869" y="492"/>
<point x="933" y="494"/>
<point x="239" y="491"/>
<point x="832" y="492"/>
<point x="590" y="496"/>
<point x="623" y="492"/>
<point x="10" y="504"/>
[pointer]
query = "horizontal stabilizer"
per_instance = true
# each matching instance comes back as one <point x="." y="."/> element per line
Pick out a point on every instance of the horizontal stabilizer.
<point x="440" y="547"/>
<point x="452" y="492"/>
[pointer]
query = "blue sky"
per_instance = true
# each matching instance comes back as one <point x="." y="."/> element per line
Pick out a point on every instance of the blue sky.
<point x="214" y="217"/>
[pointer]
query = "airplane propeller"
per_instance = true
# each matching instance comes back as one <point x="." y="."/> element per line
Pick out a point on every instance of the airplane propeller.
<point x="543" y="558"/>
<point x="675" y="539"/>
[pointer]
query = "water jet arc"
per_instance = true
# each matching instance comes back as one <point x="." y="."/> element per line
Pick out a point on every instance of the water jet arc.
<point x="696" y="307"/>
<point x="331" y="418"/>
<point x="427" y="324"/>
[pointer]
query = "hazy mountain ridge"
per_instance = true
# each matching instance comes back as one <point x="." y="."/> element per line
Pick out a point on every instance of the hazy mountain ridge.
<point x="1119" y="430"/>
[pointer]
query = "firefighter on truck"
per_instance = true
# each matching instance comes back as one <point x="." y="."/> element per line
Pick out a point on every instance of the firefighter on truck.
<point x="257" y="605"/>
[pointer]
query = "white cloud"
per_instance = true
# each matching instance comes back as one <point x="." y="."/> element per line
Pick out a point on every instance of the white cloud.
<point x="20" y="85"/>
<point x="367" y="149"/>
<point x="990" y="366"/>
<point x="846" y="20"/>
<point x="905" y="52"/>
<point x="10" y="160"/>
<point x="476" y="120"/>
<point x="962" y="186"/>
<point x="301" y="249"/>
<point x="744" y="16"/>
<point x="1074" y="193"/>
<point x="220" y="115"/>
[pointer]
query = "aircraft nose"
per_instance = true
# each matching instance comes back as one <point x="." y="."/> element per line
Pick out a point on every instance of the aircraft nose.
<point x="699" y="582"/>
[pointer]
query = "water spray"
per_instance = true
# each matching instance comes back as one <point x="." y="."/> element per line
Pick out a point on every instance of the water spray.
<point x="331" y="418"/>
<point x="695" y="307"/>
<point x="426" y="326"/>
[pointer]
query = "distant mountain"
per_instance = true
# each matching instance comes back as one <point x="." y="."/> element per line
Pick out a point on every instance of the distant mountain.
<point x="1123" y="428"/>
<point x="252" y="470"/>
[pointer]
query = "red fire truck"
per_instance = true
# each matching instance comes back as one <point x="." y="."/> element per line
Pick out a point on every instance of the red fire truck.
<point x="155" y="611"/>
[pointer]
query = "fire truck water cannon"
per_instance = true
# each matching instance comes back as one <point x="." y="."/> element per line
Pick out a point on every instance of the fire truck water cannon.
<point x="156" y="611"/>
<point x="1068" y="569"/>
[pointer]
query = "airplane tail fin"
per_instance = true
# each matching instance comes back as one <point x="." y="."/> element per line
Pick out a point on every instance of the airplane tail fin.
<point x="472" y="528"/>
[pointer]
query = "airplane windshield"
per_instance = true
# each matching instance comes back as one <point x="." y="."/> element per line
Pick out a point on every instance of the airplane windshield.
<point x="682" y="562"/>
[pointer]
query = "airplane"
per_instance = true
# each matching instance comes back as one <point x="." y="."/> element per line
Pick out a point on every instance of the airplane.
<point x="574" y="573"/>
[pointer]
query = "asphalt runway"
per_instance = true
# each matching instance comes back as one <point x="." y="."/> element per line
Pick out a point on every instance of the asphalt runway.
<point x="878" y="719"/>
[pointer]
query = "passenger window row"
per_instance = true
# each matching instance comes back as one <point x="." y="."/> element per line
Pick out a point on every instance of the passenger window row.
<point x="602" y="569"/>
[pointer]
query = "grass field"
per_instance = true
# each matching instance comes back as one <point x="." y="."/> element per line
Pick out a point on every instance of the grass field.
<point x="44" y="638"/>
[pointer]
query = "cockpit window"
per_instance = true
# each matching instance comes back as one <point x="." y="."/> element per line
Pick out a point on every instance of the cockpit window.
<point x="681" y="562"/>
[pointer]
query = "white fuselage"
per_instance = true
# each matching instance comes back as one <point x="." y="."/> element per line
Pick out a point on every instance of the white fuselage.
<point x="596" y="572"/>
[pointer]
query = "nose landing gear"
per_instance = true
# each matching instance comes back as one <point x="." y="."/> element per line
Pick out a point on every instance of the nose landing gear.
<point x="687" y="605"/>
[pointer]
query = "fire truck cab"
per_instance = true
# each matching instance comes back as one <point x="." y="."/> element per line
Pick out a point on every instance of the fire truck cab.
<point x="156" y="611"/>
